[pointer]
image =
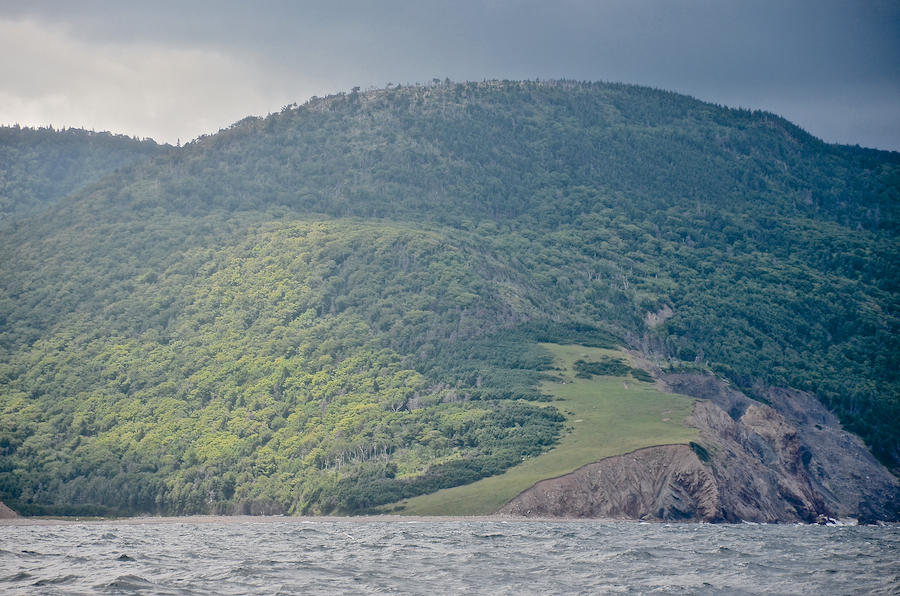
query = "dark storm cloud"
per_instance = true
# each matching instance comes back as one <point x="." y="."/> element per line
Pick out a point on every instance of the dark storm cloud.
<point x="831" y="66"/>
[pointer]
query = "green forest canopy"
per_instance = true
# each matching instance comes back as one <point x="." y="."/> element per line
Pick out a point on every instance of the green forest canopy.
<point x="339" y="305"/>
<point x="39" y="166"/>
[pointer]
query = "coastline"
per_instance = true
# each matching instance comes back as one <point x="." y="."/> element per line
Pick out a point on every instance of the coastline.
<point x="277" y="519"/>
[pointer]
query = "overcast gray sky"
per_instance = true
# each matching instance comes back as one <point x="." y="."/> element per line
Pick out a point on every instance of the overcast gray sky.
<point x="177" y="69"/>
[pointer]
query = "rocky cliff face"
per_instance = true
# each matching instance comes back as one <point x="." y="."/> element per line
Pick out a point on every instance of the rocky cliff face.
<point x="811" y="462"/>
<point x="785" y="463"/>
<point x="850" y="481"/>
<point x="755" y="461"/>
<point x="666" y="482"/>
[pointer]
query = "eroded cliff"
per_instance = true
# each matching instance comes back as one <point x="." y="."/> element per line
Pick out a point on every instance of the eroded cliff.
<point x="787" y="462"/>
<point x="664" y="483"/>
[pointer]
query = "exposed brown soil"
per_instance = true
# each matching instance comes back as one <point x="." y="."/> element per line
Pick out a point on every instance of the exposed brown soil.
<point x="813" y="451"/>
<point x="659" y="483"/>
<point x="7" y="513"/>
<point x="786" y="463"/>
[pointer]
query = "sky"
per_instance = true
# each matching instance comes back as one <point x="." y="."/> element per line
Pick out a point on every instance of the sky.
<point x="173" y="70"/>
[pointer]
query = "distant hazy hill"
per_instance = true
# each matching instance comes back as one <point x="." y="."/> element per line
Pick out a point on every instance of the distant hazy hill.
<point x="340" y="305"/>
<point x="39" y="166"/>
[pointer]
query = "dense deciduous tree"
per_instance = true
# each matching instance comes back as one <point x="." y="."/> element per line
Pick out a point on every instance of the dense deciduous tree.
<point x="339" y="305"/>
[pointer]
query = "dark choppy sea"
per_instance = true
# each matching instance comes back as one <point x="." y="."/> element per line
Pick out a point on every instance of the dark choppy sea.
<point x="459" y="557"/>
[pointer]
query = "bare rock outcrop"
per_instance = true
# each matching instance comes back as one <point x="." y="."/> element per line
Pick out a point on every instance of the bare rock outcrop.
<point x="851" y="482"/>
<point x="661" y="483"/>
<point x="787" y="462"/>
<point x="756" y="463"/>
<point x="844" y="476"/>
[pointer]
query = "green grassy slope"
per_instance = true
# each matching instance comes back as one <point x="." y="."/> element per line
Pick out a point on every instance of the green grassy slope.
<point x="606" y="416"/>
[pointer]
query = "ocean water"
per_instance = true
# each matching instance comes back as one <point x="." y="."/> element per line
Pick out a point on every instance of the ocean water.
<point x="447" y="557"/>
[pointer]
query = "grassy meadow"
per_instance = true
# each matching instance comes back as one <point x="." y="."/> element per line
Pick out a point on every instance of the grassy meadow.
<point x="606" y="416"/>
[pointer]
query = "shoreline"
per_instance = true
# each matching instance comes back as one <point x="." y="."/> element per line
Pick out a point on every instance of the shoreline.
<point x="286" y="519"/>
<point x="362" y="519"/>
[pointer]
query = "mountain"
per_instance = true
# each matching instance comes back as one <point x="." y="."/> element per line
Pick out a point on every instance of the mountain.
<point x="361" y="300"/>
<point x="39" y="166"/>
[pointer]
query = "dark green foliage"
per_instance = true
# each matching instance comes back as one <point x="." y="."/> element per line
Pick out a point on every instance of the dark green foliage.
<point x="509" y="434"/>
<point x="701" y="452"/>
<point x="641" y="375"/>
<point x="283" y="315"/>
<point x="571" y="332"/>
<point x="612" y="367"/>
<point x="67" y="510"/>
<point x="506" y="364"/>
<point x="39" y="166"/>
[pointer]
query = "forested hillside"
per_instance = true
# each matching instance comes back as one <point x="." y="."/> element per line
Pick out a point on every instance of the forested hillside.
<point x="340" y="305"/>
<point x="39" y="166"/>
